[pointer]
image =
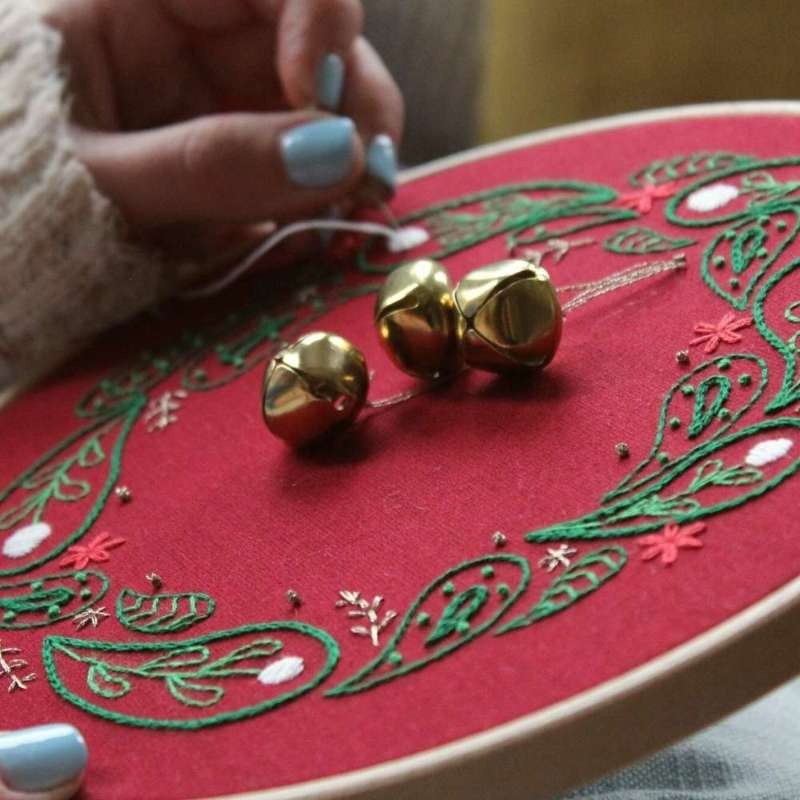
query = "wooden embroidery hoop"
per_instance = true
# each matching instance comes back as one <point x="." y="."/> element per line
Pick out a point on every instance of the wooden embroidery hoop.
<point x="676" y="693"/>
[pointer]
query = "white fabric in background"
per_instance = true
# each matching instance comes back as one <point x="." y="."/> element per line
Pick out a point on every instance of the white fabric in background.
<point x="752" y="755"/>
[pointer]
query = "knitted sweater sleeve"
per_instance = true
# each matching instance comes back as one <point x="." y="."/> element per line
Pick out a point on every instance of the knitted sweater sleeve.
<point x="66" y="270"/>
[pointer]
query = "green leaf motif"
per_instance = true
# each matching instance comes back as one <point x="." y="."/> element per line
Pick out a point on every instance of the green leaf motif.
<point x="747" y="250"/>
<point x="461" y="609"/>
<point x="677" y="167"/>
<point x="638" y="240"/>
<point x="527" y="212"/>
<point x="768" y="324"/>
<point x="708" y="402"/>
<point x="466" y="601"/>
<point x="705" y="412"/>
<point x="649" y="509"/>
<point x="163" y="613"/>
<point x="125" y="681"/>
<point x="69" y="473"/>
<point x="580" y="579"/>
<point x="49" y="599"/>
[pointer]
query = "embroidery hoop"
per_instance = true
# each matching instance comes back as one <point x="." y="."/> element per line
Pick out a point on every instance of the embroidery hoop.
<point x="762" y="640"/>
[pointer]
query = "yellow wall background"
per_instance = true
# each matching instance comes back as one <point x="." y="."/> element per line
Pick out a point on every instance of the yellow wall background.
<point x="547" y="62"/>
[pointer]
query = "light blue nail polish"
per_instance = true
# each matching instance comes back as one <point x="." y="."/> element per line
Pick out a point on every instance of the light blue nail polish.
<point x="42" y="758"/>
<point x="382" y="161"/>
<point x="330" y="81"/>
<point x="319" y="153"/>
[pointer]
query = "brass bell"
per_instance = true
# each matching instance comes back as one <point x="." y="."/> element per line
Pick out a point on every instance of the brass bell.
<point x="511" y="314"/>
<point x="313" y="387"/>
<point x="417" y="320"/>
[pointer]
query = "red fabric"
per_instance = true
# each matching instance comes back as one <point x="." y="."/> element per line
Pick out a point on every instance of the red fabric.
<point x="221" y="507"/>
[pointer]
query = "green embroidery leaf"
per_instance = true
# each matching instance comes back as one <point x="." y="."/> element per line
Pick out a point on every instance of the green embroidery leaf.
<point x="128" y="682"/>
<point x="638" y="240"/>
<point x="76" y="471"/>
<point x="582" y="578"/>
<point x="717" y="475"/>
<point x="459" y="612"/>
<point x="198" y="695"/>
<point x="705" y="411"/>
<point x="465" y="601"/>
<point x="177" y="657"/>
<point x="702" y="405"/>
<point x="163" y="613"/>
<point x="104" y="683"/>
<point x="49" y="599"/>
<point x="525" y="211"/>
<point x="672" y="169"/>
<point x="778" y="323"/>
<point x="736" y="261"/>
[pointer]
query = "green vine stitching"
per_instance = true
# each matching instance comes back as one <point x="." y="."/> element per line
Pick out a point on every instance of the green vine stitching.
<point x="163" y="613"/>
<point x="580" y="579"/>
<point x="184" y="669"/>
<point x="47" y="598"/>
<point x="454" y="628"/>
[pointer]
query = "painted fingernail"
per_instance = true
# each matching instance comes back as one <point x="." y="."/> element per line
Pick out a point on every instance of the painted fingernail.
<point x="42" y="758"/>
<point x="382" y="161"/>
<point x="330" y="81"/>
<point x="319" y="153"/>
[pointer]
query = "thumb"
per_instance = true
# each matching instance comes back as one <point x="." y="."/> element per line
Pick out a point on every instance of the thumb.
<point x="226" y="168"/>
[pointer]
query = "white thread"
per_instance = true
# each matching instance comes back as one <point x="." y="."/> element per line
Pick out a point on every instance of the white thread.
<point x="768" y="451"/>
<point x="281" y="671"/>
<point x="26" y="540"/>
<point x="397" y="241"/>
<point x="710" y="198"/>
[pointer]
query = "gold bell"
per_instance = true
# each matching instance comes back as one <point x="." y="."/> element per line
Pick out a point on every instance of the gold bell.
<point x="511" y="315"/>
<point x="417" y="320"/>
<point x="313" y="387"/>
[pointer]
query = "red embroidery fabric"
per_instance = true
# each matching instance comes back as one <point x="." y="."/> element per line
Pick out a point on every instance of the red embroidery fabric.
<point x="220" y="507"/>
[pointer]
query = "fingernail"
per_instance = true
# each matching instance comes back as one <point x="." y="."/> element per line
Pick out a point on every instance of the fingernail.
<point x="382" y="161"/>
<point x="42" y="758"/>
<point x="330" y="81"/>
<point x="319" y="153"/>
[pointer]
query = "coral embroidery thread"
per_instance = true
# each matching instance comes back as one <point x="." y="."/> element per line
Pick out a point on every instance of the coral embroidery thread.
<point x="80" y="556"/>
<point x="642" y="199"/>
<point x="711" y="335"/>
<point x="670" y="541"/>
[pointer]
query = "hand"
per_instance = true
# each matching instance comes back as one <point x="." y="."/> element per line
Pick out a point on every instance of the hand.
<point x="42" y="763"/>
<point x="201" y="112"/>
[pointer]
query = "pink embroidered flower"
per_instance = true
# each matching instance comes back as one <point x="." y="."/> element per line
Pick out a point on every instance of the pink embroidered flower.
<point x="642" y="199"/>
<point x="97" y="550"/>
<point x="667" y="543"/>
<point x="723" y="331"/>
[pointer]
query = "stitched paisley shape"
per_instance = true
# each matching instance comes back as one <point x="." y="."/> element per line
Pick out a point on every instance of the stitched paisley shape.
<point x="191" y="684"/>
<point x="449" y="613"/>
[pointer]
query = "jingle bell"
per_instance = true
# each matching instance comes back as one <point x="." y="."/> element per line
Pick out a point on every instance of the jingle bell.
<point x="511" y="315"/>
<point x="313" y="387"/>
<point x="417" y="321"/>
